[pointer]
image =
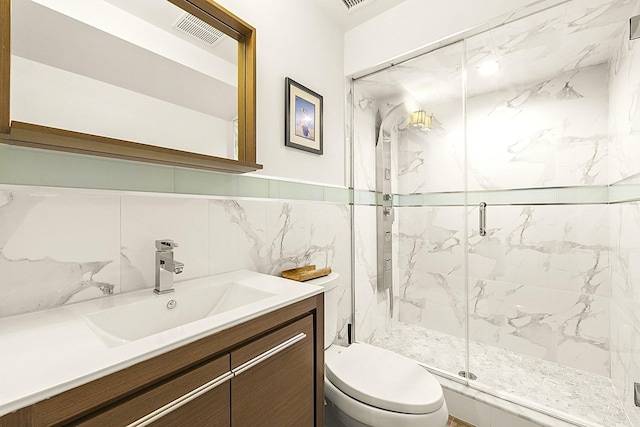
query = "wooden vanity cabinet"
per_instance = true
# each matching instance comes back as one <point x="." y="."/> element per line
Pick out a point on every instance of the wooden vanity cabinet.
<point x="209" y="409"/>
<point x="277" y="391"/>
<point x="264" y="372"/>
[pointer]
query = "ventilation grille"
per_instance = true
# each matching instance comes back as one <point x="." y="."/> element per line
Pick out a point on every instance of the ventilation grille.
<point x="198" y="29"/>
<point x="352" y="3"/>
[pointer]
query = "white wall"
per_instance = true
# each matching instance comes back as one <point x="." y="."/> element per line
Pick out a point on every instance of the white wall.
<point x="414" y="24"/>
<point x="295" y="39"/>
<point x="57" y="98"/>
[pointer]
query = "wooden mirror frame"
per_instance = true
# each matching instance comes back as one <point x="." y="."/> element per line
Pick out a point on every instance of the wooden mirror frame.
<point x="38" y="136"/>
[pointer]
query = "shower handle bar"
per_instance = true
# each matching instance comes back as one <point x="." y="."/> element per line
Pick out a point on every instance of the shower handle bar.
<point x="483" y="218"/>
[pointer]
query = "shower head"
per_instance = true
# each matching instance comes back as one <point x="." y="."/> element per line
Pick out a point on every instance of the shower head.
<point x="397" y="116"/>
<point x="634" y="23"/>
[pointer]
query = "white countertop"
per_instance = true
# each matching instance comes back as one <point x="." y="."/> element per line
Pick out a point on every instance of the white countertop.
<point x="45" y="353"/>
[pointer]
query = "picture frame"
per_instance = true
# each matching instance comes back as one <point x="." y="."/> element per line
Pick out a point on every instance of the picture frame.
<point x="303" y="118"/>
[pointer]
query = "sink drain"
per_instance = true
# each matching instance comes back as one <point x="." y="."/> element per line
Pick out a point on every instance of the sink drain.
<point x="172" y="304"/>
<point x="472" y="376"/>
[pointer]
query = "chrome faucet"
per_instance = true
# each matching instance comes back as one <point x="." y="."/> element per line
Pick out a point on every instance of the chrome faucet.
<point x="166" y="266"/>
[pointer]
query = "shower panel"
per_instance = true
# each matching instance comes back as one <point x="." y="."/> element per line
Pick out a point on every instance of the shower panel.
<point x="384" y="212"/>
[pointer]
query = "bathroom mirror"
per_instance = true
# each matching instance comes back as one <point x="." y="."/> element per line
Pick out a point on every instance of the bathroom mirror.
<point x="169" y="82"/>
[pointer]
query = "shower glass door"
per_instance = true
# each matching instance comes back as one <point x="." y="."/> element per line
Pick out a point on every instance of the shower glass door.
<point x="543" y="96"/>
<point x="415" y="112"/>
<point x="507" y="164"/>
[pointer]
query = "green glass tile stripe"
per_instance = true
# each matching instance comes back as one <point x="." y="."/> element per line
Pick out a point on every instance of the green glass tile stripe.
<point x="529" y="196"/>
<point x="625" y="190"/>
<point x="624" y="193"/>
<point x="30" y="166"/>
<point x="542" y="196"/>
<point x="295" y="191"/>
<point x="37" y="167"/>
<point x="431" y="199"/>
<point x="193" y="181"/>
<point x="364" y="197"/>
<point x="338" y="195"/>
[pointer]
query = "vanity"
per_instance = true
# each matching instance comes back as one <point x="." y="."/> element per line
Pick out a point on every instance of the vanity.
<point x="246" y="350"/>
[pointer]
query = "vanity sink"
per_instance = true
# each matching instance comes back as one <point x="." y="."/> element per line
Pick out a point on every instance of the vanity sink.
<point x="159" y="313"/>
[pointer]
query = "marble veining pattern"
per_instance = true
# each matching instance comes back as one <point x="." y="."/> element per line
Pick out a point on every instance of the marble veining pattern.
<point x="551" y="133"/>
<point x="551" y="285"/>
<point x="538" y="282"/>
<point x="48" y="250"/>
<point x="63" y="246"/>
<point x="575" y="392"/>
<point x="624" y="101"/>
<point x="372" y="306"/>
<point x="625" y="315"/>
<point x="366" y="124"/>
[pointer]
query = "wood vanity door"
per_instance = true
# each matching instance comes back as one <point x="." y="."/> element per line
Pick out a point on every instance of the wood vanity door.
<point x="210" y="409"/>
<point x="279" y="390"/>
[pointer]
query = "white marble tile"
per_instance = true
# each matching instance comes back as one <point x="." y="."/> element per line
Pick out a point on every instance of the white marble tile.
<point x="238" y="235"/>
<point x="430" y="264"/>
<point x="146" y="219"/>
<point x="625" y="257"/>
<point x="368" y="320"/>
<point x="434" y="161"/>
<point x="312" y="233"/>
<point x="364" y="139"/>
<point x="624" y="110"/>
<point x="556" y="246"/>
<point x="56" y="247"/>
<point x="502" y="419"/>
<point x="551" y="133"/>
<point x="625" y="315"/>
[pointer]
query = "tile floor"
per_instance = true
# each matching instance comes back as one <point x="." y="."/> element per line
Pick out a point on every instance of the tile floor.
<point x="578" y="393"/>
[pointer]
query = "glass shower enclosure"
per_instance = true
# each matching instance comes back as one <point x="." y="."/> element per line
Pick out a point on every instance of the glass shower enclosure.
<point x="497" y="210"/>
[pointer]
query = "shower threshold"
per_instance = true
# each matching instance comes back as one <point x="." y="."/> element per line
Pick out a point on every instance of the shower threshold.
<point x="579" y="394"/>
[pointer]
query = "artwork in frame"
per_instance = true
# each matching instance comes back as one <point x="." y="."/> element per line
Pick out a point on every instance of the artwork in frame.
<point x="303" y="118"/>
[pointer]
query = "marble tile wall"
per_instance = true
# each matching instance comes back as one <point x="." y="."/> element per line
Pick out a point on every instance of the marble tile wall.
<point x="624" y="111"/>
<point x="61" y="246"/>
<point x="625" y="300"/>
<point x="548" y="133"/>
<point x="431" y="268"/>
<point x="555" y="282"/>
<point x="529" y="292"/>
<point x="624" y="163"/>
<point x="366" y="121"/>
<point x="371" y="306"/>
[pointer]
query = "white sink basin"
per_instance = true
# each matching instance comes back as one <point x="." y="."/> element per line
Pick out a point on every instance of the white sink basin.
<point x="159" y="313"/>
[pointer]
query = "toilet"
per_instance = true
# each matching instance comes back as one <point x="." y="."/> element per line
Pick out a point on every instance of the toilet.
<point x="367" y="386"/>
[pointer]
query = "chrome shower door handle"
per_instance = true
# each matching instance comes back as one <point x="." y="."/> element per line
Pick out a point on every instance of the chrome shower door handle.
<point x="483" y="218"/>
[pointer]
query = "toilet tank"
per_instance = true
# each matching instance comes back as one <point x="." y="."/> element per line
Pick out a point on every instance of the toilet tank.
<point x="330" y="284"/>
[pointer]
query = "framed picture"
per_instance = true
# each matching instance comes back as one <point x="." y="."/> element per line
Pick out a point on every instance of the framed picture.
<point x="303" y="118"/>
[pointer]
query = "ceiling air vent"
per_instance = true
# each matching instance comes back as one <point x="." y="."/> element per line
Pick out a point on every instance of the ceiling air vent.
<point x="199" y="29"/>
<point x="352" y="3"/>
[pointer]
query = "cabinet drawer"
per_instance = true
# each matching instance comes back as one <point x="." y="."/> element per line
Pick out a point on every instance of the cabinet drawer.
<point x="211" y="408"/>
<point x="276" y="390"/>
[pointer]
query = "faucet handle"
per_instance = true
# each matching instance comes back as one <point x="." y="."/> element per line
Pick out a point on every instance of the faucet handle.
<point x="165" y="245"/>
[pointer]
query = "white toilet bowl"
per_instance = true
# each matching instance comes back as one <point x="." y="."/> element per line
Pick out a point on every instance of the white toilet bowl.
<point x="367" y="386"/>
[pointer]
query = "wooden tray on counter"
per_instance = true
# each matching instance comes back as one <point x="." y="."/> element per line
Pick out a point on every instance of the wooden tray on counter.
<point x="305" y="273"/>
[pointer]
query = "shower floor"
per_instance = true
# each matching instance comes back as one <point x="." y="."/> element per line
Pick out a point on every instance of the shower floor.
<point x="578" y="393"/>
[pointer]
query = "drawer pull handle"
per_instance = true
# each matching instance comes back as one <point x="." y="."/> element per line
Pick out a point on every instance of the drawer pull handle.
<point x="267" y="354"/>
<point x="181" y="401"/>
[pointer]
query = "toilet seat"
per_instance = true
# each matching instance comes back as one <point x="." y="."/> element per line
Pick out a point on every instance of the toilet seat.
<point x="384" y="380"/>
